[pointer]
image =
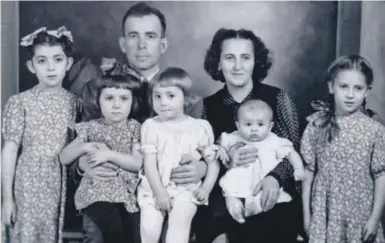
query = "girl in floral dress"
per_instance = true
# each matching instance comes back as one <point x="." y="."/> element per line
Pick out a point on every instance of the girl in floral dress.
<point x="344" y="149"/>
<point x="37" y="121"/>
<point x="114" y="141"/>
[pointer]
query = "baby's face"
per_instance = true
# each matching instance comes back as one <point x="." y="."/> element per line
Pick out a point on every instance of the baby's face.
<point x="254" y="127"/>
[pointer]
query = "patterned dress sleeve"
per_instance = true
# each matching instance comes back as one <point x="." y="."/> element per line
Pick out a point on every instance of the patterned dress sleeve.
<point x="308" y="146"/>
<point x="378" y="155"/>
<point x="82" y="131"/>
<point x="287" y="126"/>
<point x="149" y="137"/>
<point x="136" y="127"/>
<point x="13" y="120"/>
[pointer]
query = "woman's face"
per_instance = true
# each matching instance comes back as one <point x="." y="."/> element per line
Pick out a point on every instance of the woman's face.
<point x="237" y="61"/>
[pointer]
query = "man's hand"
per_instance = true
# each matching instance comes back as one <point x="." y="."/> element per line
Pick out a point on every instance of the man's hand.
<point x="190" y="171"/>
<point x="241" y="154"/>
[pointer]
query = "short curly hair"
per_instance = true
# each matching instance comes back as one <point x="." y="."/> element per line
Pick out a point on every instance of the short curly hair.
<point x="262" y="58"/>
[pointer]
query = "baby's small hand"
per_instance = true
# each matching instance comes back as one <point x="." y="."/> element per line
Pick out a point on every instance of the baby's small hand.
<point x="222" y="155"/>
<point x="202" y="194"/>
<point x="299" y="174"/>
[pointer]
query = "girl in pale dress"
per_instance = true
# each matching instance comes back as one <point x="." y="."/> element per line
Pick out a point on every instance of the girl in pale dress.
<point x="344" y="149"/>
<point x="112" y="140"/>
<point x="36" y="121"/>
<point x="167" y="139"/>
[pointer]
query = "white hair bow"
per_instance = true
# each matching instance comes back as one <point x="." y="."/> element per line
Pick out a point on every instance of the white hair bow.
<point x="28" y="39"/>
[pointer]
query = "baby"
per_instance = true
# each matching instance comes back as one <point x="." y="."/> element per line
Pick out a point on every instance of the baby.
<point x="254" y="124"/>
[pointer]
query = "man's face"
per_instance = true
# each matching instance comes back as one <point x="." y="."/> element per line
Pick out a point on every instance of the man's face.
<point x="143" y="42"/>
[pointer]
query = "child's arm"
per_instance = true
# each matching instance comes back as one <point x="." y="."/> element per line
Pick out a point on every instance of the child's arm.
<point x="296" y="161"/>
<point x="9" y="158"/>
<point x="153" y="177"/>
<point x="306" y="193"/>
<point x="379" y="197"/>
<point x="211" y="176"/>
<point x="74" y="150"/>
<point x="131" y="162"/>
<point x="152" y="174"/>
<point x="372" y="224"/>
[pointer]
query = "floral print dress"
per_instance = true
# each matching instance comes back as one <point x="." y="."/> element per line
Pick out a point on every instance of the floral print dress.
<point x="345" y="170"/>
<point x="37" y="121"/>
<point x="118" y="137"/>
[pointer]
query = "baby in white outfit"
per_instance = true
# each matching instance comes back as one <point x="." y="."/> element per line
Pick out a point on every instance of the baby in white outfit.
<point x="254" y="123"/>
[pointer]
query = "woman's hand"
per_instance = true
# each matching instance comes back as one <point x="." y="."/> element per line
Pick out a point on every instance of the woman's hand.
<point x="242" y="154"/>
<point x="9" y="212"/>
<point x="370" y="231"/>
<point x="270" y="192"/>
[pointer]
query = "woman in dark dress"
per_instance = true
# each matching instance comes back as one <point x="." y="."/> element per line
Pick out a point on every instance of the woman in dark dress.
<point x="240" y="59"/>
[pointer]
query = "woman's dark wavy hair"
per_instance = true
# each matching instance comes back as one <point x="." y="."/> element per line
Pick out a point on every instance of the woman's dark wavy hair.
<point x="349" y="62"/>
<point x="43" y="38"/>
<point x="262" y="58"/>
<point x="91" y="93"/>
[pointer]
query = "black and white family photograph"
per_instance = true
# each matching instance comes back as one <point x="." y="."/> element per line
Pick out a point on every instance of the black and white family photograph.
<point x="192" y="121"/>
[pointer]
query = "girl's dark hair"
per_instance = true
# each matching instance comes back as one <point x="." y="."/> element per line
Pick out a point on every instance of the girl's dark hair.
<point x="349" y="62"/>
<point x="92" y="90"/>
<point x="262" y="58"/>
<point x="43" y="38"/>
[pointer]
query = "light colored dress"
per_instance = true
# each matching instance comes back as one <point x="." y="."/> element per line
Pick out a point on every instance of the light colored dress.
<point x="345" y="169"/>
<point x="240" y="181"/>
<point x="170" y="141"/>
<point x="38" y="121"/>
<point x="119" y="137"/>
